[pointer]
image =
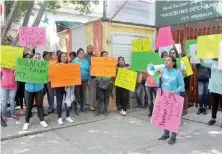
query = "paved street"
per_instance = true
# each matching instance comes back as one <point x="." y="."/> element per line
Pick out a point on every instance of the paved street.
<point x="115" y="134"/>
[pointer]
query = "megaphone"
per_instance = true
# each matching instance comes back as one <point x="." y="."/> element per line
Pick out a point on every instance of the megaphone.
<point x="152" y="69"/>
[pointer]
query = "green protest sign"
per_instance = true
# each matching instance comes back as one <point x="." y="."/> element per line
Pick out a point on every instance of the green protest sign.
<point x="33" y="71"/>
<point x="188" y="43"/>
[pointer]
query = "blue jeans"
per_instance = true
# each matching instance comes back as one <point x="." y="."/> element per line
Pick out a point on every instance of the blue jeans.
<point x="150" y="92"/>
<point x="60" y="92"/>
<point x="167" y="133"/>
<point x="50" y="96"/>
<point x="139" y="93"/>
<point x="203" y="94"/>
<point x="8" y="96"/>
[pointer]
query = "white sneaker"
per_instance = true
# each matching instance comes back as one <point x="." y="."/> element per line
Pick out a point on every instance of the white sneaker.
<point x="124" y="113"/>
<point x="60" y="122"/>
<point x="25" y="126"/>
<point x="44" y="124"/>
<point x="69" y="120"/>
<point x="121" y="112"/>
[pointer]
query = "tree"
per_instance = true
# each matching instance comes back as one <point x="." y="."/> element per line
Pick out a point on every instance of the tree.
<point x="25" y="7"/>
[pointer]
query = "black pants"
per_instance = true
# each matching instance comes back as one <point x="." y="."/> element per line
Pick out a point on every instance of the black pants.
<point x="103" y="96"/>
<point x="81" y="94"/>
<point x="122" y="96"/>
<point x="20" y="94"/>
<point x="29" y="97"/>
<point x="216" y="99"/>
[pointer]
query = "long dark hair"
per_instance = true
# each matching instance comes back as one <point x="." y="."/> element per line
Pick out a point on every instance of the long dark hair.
<point x="163" y="53"/>
<point x="119" y="59"/>
<point x="175" y="61"/>
<point x="60" y="56"/>
<point x="175" y="49"/>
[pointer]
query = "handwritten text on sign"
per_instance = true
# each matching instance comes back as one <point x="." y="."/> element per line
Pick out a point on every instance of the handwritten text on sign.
<point x="126" y="79"/>
<point x="103" y="66"/>
<point x="142" y="45"/>
<point x="34" y="71"/>
<point x="32" y="36"/>
<point x="167" y="111"/>
<point x="65" y="75"/>
<point x="9" y="56"/>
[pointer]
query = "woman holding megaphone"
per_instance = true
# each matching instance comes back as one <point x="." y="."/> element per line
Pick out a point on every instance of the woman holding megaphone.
<point x="171" y="79"/>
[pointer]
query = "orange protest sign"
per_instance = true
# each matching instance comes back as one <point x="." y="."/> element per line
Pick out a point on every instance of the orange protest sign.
<point x="103" y="66"/>
<point x="65" y="75"/>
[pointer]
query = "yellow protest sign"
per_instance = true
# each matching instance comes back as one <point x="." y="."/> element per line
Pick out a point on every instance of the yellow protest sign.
<point x="142" y="45"/>
<point x="189" y="70"/>
<point x="9" y="56"/>
<point x="126" y="79"/>
<point x="208" y="46"/>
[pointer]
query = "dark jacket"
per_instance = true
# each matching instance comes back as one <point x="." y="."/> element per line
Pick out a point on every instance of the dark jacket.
<point x="204" y="73"/>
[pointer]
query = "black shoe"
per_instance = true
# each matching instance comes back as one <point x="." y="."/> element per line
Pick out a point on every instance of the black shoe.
<point x="145" y="106"/>
<point x="172" y="141"/>
<point x="97" y="114"/>
<point x="204" y="111"/>
<point x="106" y="114"/>
<point x="162" y="138"/>
<point x="3" y="123"/>
<point x="200" y="111"/>
<point x="150" y="114"/>
<point x="211" y="122"/>
<point x="51" y="111"/>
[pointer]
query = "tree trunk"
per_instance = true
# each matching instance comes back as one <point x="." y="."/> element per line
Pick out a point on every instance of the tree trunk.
<point x="26" y="19"/>
<point x="40" y="13"/>
<point x="9" y="21"/>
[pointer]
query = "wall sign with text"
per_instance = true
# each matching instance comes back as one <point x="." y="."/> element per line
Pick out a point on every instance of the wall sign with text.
<point x="177" y="12"/>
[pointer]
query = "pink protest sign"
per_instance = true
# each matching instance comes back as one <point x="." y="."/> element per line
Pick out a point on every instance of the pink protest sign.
<point x="32" y="36"/>
<point x="164" y="37"/>
<point x="219" y="66"/>
<point x="167" y="111"/>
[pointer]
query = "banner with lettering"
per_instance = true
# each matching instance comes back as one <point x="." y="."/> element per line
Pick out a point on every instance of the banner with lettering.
<point x="32" y="36"/>
<point x="33" y="71"/>
<point x="62" y="75"/>
<point x="9" y="56"/>
<point x="167" y="111"/>
<point x="208" y="46"/>
<point x="142" y="45"/>
<point x="103" y="66"/>
<point x="126" y="79"/>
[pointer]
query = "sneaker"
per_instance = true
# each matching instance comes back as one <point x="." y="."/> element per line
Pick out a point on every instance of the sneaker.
<point x="3" y="123"/>
<point x="51" y="111"/>
<point x="97" y="114"/>
<point x="106" y="114"/>
<point x="25" y="126"/>
<point x="211" y="122"/>
<point x="204" y="111"/>
<point x="22" y="111"/>
<point x="82" y="110"/>
<point x="124" y="113"/>
<point x="14" y="117"/>
<point x="76" y="111"/>
<point x="200" y="111"/>
<point x="69" y="120"/>
<point x="91" y="108"/>
<point x="60" y="122"/>
<point x="121" y="112"/>
<point x="44" y="124"/>
<point x="145" y="106"/>
<point x="150" y="114"/>
<point x="172" y="141"/>
<point x="162" y="138"/>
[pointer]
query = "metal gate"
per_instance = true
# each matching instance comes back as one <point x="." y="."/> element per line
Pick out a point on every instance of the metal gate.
<point x="180" y="36"/>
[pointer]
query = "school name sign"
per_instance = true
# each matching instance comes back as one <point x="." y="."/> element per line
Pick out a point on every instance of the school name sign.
<point x="177" y="12"/>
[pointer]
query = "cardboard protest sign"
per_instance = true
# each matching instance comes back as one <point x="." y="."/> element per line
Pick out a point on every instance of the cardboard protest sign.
<point x="32" y="36"/>
<point x="62" y="75"/>
<point x="33" y="71"/>
<point x="126" y="79"/>
<point x="164" y="37"/>
<point x="142" y="45"/>
<point x="208" y="46"/>
<point x="9" y="56"/>
<point x="189" y="70"/>
<point x="219" y="66"/>
<point x="188" y="44"/>
<point x="167" y="111"/>
<point x="103" y="66"/>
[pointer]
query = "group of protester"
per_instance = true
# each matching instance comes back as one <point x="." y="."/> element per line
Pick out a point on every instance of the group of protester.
<point x="98" y="89"/>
